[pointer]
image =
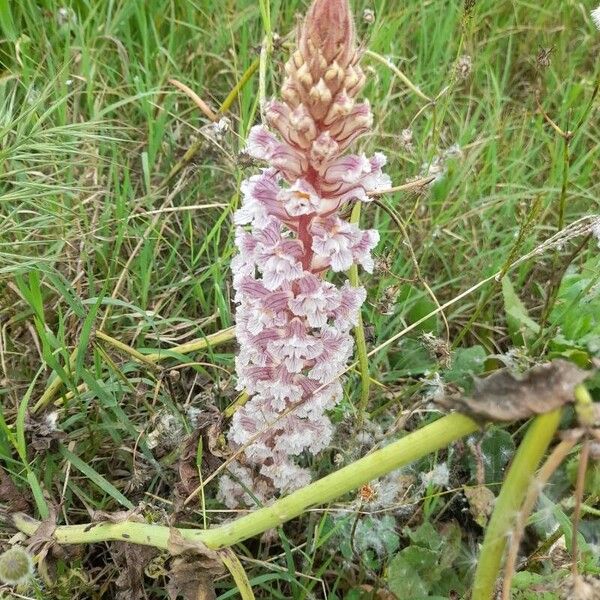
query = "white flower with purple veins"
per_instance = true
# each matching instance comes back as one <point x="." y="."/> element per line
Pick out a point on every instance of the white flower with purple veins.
<point x="323" y="399"/>
<point x="361" y="250"/>
<point x="263" y="145"/>
<point x="346" y="313"/>
<point x="300" y="199"/>
<point x="292" y="325"/>
<point x="261" y="308"/>
<point x="295" y="347"/>
<point x="596" y="223"/>
<point x="332" y="242"/>
<point x="596" y="17"/>
<point x="341" y="244"/>
<point x="259" y="200"/>
<point x="281" y="263"/>
<point x="279" y="394"/>
<point x="337" y="349"/>
<point x="315" y="299"/>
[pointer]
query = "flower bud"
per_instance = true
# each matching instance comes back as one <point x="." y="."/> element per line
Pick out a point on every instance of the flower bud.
<point x="329" y="27"/>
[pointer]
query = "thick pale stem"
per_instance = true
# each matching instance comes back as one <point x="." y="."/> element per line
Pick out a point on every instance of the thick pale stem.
<point x="509" y="502"/>
<point x="430" y="438"/>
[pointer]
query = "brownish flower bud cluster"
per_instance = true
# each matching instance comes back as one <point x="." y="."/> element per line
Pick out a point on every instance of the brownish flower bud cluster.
<point x="319" y="113"/>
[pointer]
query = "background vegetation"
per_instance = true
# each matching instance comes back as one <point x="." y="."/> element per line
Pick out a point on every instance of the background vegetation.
<point x="96" y="241"/>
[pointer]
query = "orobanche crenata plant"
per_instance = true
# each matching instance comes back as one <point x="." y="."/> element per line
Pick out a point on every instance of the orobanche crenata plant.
<point x="292" y="324"/>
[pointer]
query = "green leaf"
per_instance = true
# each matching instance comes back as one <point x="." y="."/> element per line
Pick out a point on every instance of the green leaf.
<point x="466" y="362"/>
<point x="415" y="305"/>
<point x="7" y="24"/>
<point x="412" y="359"/>
<point x="95" y="477"/>
<point x="520" y="325"/>
<point x="406" y="569"/>
<point x="497" y="447"/>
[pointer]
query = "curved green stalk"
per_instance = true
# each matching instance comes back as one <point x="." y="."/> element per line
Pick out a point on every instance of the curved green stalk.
<point x="239" y="85"/>
<point x="415" y="445"/>
<point x="359" y="336"/>
<point x="220" y="337"/>
<point x="522" y="470"/>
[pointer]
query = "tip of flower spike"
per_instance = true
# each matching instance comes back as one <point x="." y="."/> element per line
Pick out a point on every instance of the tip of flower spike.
<point x="329" y="27"/>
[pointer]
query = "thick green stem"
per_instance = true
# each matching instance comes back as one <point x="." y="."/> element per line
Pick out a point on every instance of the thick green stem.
<point x="415" y="445"/>
<point x="512" y="495"/>
<point x="359" y="336"/>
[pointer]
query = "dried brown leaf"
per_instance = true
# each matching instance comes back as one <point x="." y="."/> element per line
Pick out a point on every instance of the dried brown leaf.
<point x="192" y="576"/>
<point x="119" y="516"/>
<point x="377" y="593"/>
<point x="209" y="427"/>
<point x="43" y="544"/>
<point x="189" y="582"/>
<point x="506" y="397"/>
<point x="131" y="561"/>
<point x="44" y="534"/>
<point x="43" y="432"/>
<point x="581" y="588"/>
<point x="13" y="499"/>
<point x="177" y="545"/>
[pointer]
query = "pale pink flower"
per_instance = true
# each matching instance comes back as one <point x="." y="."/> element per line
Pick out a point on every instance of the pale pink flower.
<point x="337" y="349"/>
<point x="346" y="313"/>
<point x="281" y="263"/>
<point x="339" y="244"/>
<point x="295" y="346"/>
<point x="316" y="299"/>
<point x="300" y="199"/>
<point x="263" y="145"/>
<point x="286" y="476"/>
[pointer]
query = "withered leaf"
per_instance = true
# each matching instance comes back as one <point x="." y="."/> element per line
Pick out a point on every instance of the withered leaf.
<point x="506" y="397"/>
<point x="119" y="516"/>
<point x="189" y="582"/>
<point x="131" y="561"/>
<point x="209" y="426"/>
<point x="192" y="576"/>
<point x="10" y="496"/>
<point x="43" y="432"/>
<point x="44" y="534"/>
<point x="43" y="544"/>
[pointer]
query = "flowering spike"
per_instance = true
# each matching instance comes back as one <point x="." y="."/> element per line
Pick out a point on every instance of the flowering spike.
<point x="293" y="326"/>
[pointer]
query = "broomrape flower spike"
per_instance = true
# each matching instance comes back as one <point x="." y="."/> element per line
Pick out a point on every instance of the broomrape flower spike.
<point x="293" y="326"/>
